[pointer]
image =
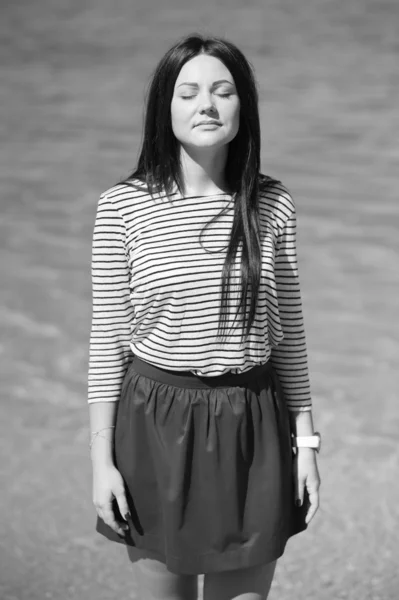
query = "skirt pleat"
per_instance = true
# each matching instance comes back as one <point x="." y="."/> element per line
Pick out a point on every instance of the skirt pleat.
<point x="207" y="466"/>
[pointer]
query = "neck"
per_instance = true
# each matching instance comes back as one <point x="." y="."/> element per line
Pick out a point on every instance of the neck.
<point x="203" y="172"/>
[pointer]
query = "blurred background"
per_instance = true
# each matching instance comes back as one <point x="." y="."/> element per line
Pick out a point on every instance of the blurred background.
<point x="72" y="86"/>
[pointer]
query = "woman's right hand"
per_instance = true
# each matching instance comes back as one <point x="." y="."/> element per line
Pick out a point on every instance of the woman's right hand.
<point x="107" y="485"/>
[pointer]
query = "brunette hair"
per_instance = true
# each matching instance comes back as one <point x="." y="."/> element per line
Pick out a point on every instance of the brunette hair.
<point x="159" y="167"/>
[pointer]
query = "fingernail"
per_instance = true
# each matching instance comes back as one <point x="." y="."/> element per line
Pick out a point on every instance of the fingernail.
<point x="298" y="502"/>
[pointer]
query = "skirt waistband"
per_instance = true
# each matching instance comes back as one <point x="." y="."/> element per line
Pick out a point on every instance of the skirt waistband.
<point x="186" y="379"/>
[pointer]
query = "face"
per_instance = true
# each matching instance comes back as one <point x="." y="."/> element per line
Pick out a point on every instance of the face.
<point x="205" y="108"/>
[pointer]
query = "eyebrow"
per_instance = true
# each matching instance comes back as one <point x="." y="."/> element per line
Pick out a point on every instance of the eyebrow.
<point x="214" y="84"/>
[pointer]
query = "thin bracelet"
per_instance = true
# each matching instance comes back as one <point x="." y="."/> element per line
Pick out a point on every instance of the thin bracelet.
<point x="94" y="434"/>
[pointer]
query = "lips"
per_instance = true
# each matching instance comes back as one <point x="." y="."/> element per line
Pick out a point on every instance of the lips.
<point x="208" y="123"/>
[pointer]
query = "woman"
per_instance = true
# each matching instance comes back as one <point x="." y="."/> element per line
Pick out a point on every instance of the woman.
<point x="200" y="410"/>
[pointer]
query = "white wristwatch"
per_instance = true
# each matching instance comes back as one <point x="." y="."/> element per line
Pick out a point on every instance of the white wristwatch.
<point x="307" y="441"/>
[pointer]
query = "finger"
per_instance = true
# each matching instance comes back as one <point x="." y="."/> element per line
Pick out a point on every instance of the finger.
<point x="299" y="493"/>
<point x="297" y="486"/>
<point x="107" y="515"/>
<point x="123" y="506"/>
<point x="299" y="483"/>
<point x="313" y="506"/>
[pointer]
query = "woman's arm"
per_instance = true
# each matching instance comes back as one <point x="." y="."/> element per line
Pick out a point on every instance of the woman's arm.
<point x="290" y="361"/>
<point x="289" y="357"/>
<point x="109" y="354"/>
<point x="113" y="312"/>
<point x="107" y="481"/>
<point x="305" y="471"/>
<point x="102" y="422"/>
<point x="301" y="422"/>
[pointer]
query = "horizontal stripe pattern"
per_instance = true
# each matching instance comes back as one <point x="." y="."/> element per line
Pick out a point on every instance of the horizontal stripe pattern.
<point x="156" y="289"/>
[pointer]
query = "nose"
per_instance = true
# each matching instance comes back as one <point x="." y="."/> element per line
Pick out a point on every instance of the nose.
<point x="207" y="104"/>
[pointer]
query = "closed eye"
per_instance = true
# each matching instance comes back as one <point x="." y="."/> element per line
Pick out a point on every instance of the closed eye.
<point x="220" y="95"/>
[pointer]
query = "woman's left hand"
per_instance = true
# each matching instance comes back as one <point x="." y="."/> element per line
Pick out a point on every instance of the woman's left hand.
<point x="306" y="476"/>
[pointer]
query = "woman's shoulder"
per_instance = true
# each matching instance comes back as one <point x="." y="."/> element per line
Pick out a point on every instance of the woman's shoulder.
<point x="125" y="185"/>
<point x="275" y="195"/>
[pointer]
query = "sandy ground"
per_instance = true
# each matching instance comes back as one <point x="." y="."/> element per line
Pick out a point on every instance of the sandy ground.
<point x="73" y="78"/>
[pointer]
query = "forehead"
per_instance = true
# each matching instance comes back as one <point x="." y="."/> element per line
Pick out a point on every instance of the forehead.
<point x="204" y="68"/>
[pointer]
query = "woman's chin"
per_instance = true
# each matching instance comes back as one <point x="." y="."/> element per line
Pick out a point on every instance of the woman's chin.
<point x="206" y="144"/>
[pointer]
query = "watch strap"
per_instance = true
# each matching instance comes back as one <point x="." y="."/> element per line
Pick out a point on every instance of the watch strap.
<point x="308" y="441"/>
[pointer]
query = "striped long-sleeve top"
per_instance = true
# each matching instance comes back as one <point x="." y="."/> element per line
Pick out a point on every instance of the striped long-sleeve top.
<point x="156" y="289"/>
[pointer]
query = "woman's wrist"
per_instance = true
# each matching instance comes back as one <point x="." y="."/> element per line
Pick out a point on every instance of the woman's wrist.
<point x="311" y="452"/>
<point x="301" y="422"/>
<point x="101" y="451"/>
<point x="102" y="429"/>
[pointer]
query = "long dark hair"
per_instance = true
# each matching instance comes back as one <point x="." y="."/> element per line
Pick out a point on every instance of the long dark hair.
<point x="159" y="166"/>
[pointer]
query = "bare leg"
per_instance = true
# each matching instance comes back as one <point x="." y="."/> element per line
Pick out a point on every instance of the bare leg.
<point x="243" y="584"/>
<point x="155" y="582"/>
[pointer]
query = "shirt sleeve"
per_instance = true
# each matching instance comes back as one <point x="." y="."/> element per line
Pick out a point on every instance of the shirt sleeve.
<point x="109" y="348"/>
<point x="289" y="357"/>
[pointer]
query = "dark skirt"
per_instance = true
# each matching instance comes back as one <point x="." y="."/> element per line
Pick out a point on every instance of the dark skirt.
<point x="207" y="466"/>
